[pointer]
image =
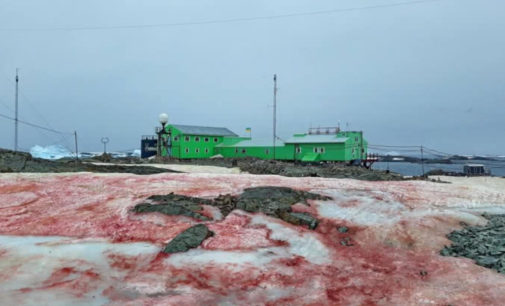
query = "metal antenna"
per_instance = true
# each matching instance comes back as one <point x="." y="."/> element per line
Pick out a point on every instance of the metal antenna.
<point x="275" y="112"/>
<point x="16" y="113"/>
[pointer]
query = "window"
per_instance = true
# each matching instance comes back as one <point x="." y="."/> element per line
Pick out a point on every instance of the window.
<point x="352" y="150"/>
<point x="197" y="139"/>
<point x="186" y="150"/>
<point x="197" y="150"/>
<point x="206" y="150"/>
<point x="236" y="150"/>
<point x="321" y="150"/>
<point x="186" y="138"/>
<point x="356" y="139"/>
<point x="298" y="150"/>
<point x="176" y="138"/>
<point x="206" y="139"/>
<point x="267" y="151"/>
<point x="315" y="150"/>
<point x="215" y="139"/>
<point x="244" y="151"/>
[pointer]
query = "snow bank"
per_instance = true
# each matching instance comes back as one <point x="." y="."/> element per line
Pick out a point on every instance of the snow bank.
<point x="77" y="242"/>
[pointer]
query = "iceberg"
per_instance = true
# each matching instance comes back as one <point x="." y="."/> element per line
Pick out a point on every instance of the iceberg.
<point x="50" y="152"/>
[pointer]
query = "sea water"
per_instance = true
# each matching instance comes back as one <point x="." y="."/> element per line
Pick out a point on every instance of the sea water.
<point x="497" y="168"/>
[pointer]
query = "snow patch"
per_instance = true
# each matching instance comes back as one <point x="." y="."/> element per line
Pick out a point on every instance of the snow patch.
<point x="304" y="244"/>
<point x="204" y="257"/>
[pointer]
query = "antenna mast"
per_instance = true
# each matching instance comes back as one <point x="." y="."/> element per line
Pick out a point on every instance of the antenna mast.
<point x="16" y="114"/>
<point x="275" y="112"/>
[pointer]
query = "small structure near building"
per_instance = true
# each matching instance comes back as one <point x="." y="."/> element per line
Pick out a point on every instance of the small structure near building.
<point x="475" y="170"/>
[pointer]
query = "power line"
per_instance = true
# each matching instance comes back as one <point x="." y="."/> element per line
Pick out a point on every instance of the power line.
<point x="34" y="125"/>
<point x="222" y="21"/>
<point x="391" y="146"/>
<point x="30" y="104"/>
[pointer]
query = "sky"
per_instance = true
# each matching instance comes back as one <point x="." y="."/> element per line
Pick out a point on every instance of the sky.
<point x="426" y="73"/>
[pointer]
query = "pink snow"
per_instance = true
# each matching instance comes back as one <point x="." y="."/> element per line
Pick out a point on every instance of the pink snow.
<point x="72" y="239"/>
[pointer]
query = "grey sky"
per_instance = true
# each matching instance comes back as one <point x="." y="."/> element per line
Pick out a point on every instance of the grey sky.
<point x="430" y="73"/>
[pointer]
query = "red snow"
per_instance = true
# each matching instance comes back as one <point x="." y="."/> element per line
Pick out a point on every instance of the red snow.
<point x="392" y="262"/>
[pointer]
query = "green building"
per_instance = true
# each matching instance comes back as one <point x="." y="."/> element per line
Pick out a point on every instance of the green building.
<point x="192" y="142"/>
<point x="189" y="141"/>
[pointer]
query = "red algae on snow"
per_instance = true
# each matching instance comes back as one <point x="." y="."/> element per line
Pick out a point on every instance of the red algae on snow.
<point x="72" y="239"/>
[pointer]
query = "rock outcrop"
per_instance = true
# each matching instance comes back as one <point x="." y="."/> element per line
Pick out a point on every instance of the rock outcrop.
<point x="189" y="239"/>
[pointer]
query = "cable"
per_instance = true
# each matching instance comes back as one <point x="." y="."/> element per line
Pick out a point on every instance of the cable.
<point x="389" y="146"/>
<point x="34" y="125"/>
<point x="221" y="21"/>
<point x="29" y="103"/>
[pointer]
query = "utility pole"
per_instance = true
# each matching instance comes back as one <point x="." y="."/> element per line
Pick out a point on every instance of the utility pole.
<point x="16" y="121"/>
<point x="422" y="159"/>
<point x="76" y="149"/>
<point x="275" y="112"/>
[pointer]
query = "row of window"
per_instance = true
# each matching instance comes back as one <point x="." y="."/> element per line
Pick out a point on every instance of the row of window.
<point x="315" y="150"/>
<point x="197" y="150"/>
<point x="298" y="150"/>
<point x="196" y="138"/>
<point x="267" y="151"/>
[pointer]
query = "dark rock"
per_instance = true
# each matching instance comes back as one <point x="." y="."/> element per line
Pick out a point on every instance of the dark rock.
<point x="487" y="261"/>
<point x="346" y="242"/>
<point x="272" y="201"/>
<point x="11" y="161"/>
<point x="484" y="244"/>
<point x="343" y="229"/>
<point x="189" y="239"/>
<point x="171" y="210"/>
<point x="334" y="170"/>
<point x="300" y="219"/>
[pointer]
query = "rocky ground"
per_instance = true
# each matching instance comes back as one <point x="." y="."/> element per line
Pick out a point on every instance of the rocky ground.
<point x="284" y="168"/>
<point x="11" y="161"/>
<point x="272" y="201"/>
<point x="484" y="244"/>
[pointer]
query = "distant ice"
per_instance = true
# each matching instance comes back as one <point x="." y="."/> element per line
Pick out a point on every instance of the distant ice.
<point x="50" y="152"/>
<point x="53" y="152"/>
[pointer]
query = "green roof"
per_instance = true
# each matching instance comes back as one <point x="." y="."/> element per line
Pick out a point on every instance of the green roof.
<point x="251" y="143"/>
<point x="317" y="139"/>
<point x="203" y="130"/>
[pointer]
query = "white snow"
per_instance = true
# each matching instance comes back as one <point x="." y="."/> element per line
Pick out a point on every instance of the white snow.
<point x="257" y="257"/>
<point x="306" y="244"/>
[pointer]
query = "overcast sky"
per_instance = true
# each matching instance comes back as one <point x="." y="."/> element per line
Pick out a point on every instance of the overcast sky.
<point x="428" y="73"/>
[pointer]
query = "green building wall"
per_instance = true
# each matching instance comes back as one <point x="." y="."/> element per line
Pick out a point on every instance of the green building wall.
<point x="187" y="146"/>
<point x="262" y="152"/>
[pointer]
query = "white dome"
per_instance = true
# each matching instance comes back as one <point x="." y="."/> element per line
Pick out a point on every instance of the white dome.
<point x="163" y="118"/>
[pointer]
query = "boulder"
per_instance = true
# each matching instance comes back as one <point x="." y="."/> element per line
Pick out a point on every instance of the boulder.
<point x="189" y="239"/>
